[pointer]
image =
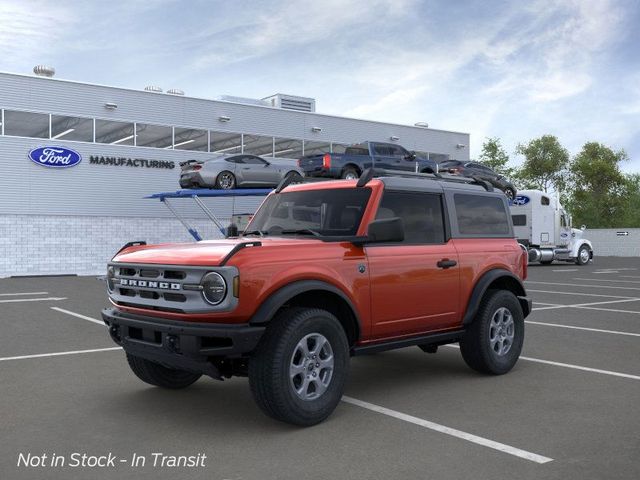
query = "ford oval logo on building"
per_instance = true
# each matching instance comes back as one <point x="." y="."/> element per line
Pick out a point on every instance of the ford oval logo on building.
<point x="520" y="200"/>
<point x="55" y="157"/>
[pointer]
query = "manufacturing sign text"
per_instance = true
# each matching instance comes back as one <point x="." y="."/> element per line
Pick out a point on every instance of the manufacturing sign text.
<point x="520" y="200"/>
<point x="55" y="157"/>
<point x="131" y="162"/>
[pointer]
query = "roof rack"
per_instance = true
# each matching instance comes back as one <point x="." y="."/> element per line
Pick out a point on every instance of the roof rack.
<point x="378" y="172"/>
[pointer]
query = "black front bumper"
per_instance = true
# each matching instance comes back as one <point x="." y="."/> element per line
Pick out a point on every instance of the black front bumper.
<point x="181" y="345"/>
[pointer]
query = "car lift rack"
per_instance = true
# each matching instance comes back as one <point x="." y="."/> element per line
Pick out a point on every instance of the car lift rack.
<point x="197" y="195"/>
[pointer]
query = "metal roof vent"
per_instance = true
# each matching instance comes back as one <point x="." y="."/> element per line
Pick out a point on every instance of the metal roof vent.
<point x="44" y="71"/>
<point x="153" y="88"/>
<point x="292" y="102"/>
<point x="175" y="91"/>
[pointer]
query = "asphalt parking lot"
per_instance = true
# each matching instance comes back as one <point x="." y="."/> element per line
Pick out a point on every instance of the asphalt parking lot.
<point x="570" y="409"/>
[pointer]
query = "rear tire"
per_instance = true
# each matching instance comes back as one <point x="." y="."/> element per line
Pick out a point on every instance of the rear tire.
<point x="225" y="180"/>
<point x="160" y="376"/>
<point x="493" y="342"/>
<point x="296" y="377"/>
<point x="350" y="173"/>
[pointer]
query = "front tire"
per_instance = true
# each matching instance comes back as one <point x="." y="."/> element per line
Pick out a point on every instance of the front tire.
<point x="584" y="255"/>
<point x="225" y="181"/>
<point x="493" y="342"/>
<point x="159" y="375"/>
<point x="298" y="372"/>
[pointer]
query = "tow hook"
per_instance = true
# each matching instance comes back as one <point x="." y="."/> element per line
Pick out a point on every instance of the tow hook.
<point x="114" y="331"/>
<point x="173" y="343"/>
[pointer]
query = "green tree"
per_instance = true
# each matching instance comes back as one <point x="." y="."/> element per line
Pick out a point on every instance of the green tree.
<point x="600" y="192"/>
<point x="495" y="157"/>
<point x="545" y="164"/>
<point x="631" y="215"/>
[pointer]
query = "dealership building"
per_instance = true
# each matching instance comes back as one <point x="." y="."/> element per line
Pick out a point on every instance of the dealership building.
<point x="127" y="144"/>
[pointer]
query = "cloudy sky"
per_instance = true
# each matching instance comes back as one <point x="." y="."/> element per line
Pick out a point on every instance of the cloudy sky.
<point x="515" y="70"/>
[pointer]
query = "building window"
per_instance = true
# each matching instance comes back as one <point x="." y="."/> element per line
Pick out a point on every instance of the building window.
<point x="190" y="139"/>
<point x="258" y="145"/>
<point x="157" y="136"/>
<point x="225" y="143"/>
<point x="115" y="133"/>
<point x="287" y="148"/>
<point x="71" y="128"/>
<point x="26" y="124"/>
<point x="316" y="148"/>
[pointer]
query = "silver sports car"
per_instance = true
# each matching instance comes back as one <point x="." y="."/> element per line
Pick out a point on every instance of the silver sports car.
<point x="234" y="171"/>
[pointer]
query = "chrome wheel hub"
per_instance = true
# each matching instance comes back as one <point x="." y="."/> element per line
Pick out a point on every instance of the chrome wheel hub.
<point x="311" y="366"/>
<point x="584" y="255"/>
<point x="501" y="331"/>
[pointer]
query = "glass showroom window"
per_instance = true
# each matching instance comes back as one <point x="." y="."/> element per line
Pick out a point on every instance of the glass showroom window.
<point x="316" y="148"/>
<point x="287" y="148"/>
<point x="71" y="128"/>
<point x="157" y="136"/>
<point x="258" y="145"/>
<point x="26" y="124"/>
<point x="225" y="143"/>
<point x="190" y="139"/>
<point x="115" y="133"/>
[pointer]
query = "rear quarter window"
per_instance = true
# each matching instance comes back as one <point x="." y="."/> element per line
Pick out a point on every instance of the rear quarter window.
<point x="481" y="215"/>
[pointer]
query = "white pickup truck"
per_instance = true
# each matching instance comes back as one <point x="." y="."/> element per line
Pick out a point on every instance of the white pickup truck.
<point x="543" y="226"/>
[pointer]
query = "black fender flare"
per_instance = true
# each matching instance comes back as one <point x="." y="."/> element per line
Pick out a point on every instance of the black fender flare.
<point x="277" y="299"/>
<point x="483" y="285"/>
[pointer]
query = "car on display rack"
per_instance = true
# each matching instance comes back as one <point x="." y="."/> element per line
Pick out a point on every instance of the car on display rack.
<point x="325" y="271"/>
<point x="357" y="158"/>
<point x="235" y="171"/>
<point x="475" y="169"/>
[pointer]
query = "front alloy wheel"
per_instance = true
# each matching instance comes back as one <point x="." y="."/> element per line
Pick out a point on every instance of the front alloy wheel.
<point x="311" y="367"/>
<point x="501" y="331"/>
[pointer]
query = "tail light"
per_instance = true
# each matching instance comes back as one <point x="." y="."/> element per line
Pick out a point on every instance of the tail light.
<point x="196" y="167"/>
<point x="299" y="162"/>
<point x="455" y="171"/>
<point x="525" y="261"/>
<point x="326" y="161"/>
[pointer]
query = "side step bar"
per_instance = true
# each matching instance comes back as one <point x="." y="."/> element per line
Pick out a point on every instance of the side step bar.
<point x="441" y="338"/>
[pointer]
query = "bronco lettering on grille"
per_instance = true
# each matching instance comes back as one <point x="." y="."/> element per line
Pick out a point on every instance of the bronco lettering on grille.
<point x="145" y="283"/>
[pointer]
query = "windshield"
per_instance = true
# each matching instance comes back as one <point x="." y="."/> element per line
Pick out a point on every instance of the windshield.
<point x="329" y="212"/>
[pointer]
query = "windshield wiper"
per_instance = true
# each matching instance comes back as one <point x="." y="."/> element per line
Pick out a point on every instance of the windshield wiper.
<point x="302" y="231"/>
<point x="254" y="232"/>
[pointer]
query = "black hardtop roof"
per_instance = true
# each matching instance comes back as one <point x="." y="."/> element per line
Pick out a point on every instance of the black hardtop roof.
<point x="433" y="184"/>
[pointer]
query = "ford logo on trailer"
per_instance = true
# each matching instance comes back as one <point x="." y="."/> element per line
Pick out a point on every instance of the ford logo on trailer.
<point x="55" y="157"/>
<point x="520" y="200"/>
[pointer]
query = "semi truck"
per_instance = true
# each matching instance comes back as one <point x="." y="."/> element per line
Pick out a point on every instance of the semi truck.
<point x="544" y="228"/>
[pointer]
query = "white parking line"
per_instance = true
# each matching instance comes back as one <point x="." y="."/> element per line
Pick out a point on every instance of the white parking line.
<point x="587" y="286"/>
<point x="58" y="354"/>
<point x="84" y="317"/>
<point x="48" y="299"/>
<point x="23" y="293"/>
<point x="485" y="442"/>
<point x="603" y="280"/>
<point x="567" y="270"/>
<point x="580" y="294"/>
<point x="610" y="310"/>
<point x="573" y="327"/>
<point x="569" y="365"/>
<point x="586" y="305"/>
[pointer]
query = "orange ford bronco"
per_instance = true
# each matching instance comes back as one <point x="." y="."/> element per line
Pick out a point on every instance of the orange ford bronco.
<point x="326" y="271"/>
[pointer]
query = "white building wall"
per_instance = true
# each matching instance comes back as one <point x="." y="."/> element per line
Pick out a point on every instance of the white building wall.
<point x="612" y="242"/>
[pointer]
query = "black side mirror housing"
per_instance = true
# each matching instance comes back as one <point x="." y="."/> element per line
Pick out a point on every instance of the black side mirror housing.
<point x="384" y="230"/>
<point x="232" y="230"/>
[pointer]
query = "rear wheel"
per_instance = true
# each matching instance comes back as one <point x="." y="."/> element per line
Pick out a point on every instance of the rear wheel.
<point x="350" y="173"/>
<point x="159" y="375"/>
<point x="493" y="342"/>
<point x="298" y="372"/>
<point x="225" y="180"/>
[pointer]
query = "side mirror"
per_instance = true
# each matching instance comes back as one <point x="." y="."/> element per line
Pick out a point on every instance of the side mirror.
<point x="232" y="230"/>
<point x="385" y="230"/>
<point x="410" y="156"/>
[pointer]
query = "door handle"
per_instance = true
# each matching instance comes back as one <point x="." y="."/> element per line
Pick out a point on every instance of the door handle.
<point x="446" y="263"/>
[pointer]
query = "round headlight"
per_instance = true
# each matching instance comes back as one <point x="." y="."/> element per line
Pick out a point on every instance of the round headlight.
<point x="214" y="288"/>
<point x="111" y="273"/>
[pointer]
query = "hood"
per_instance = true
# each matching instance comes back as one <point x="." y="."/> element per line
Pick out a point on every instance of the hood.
<point x="205" y="253"/>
